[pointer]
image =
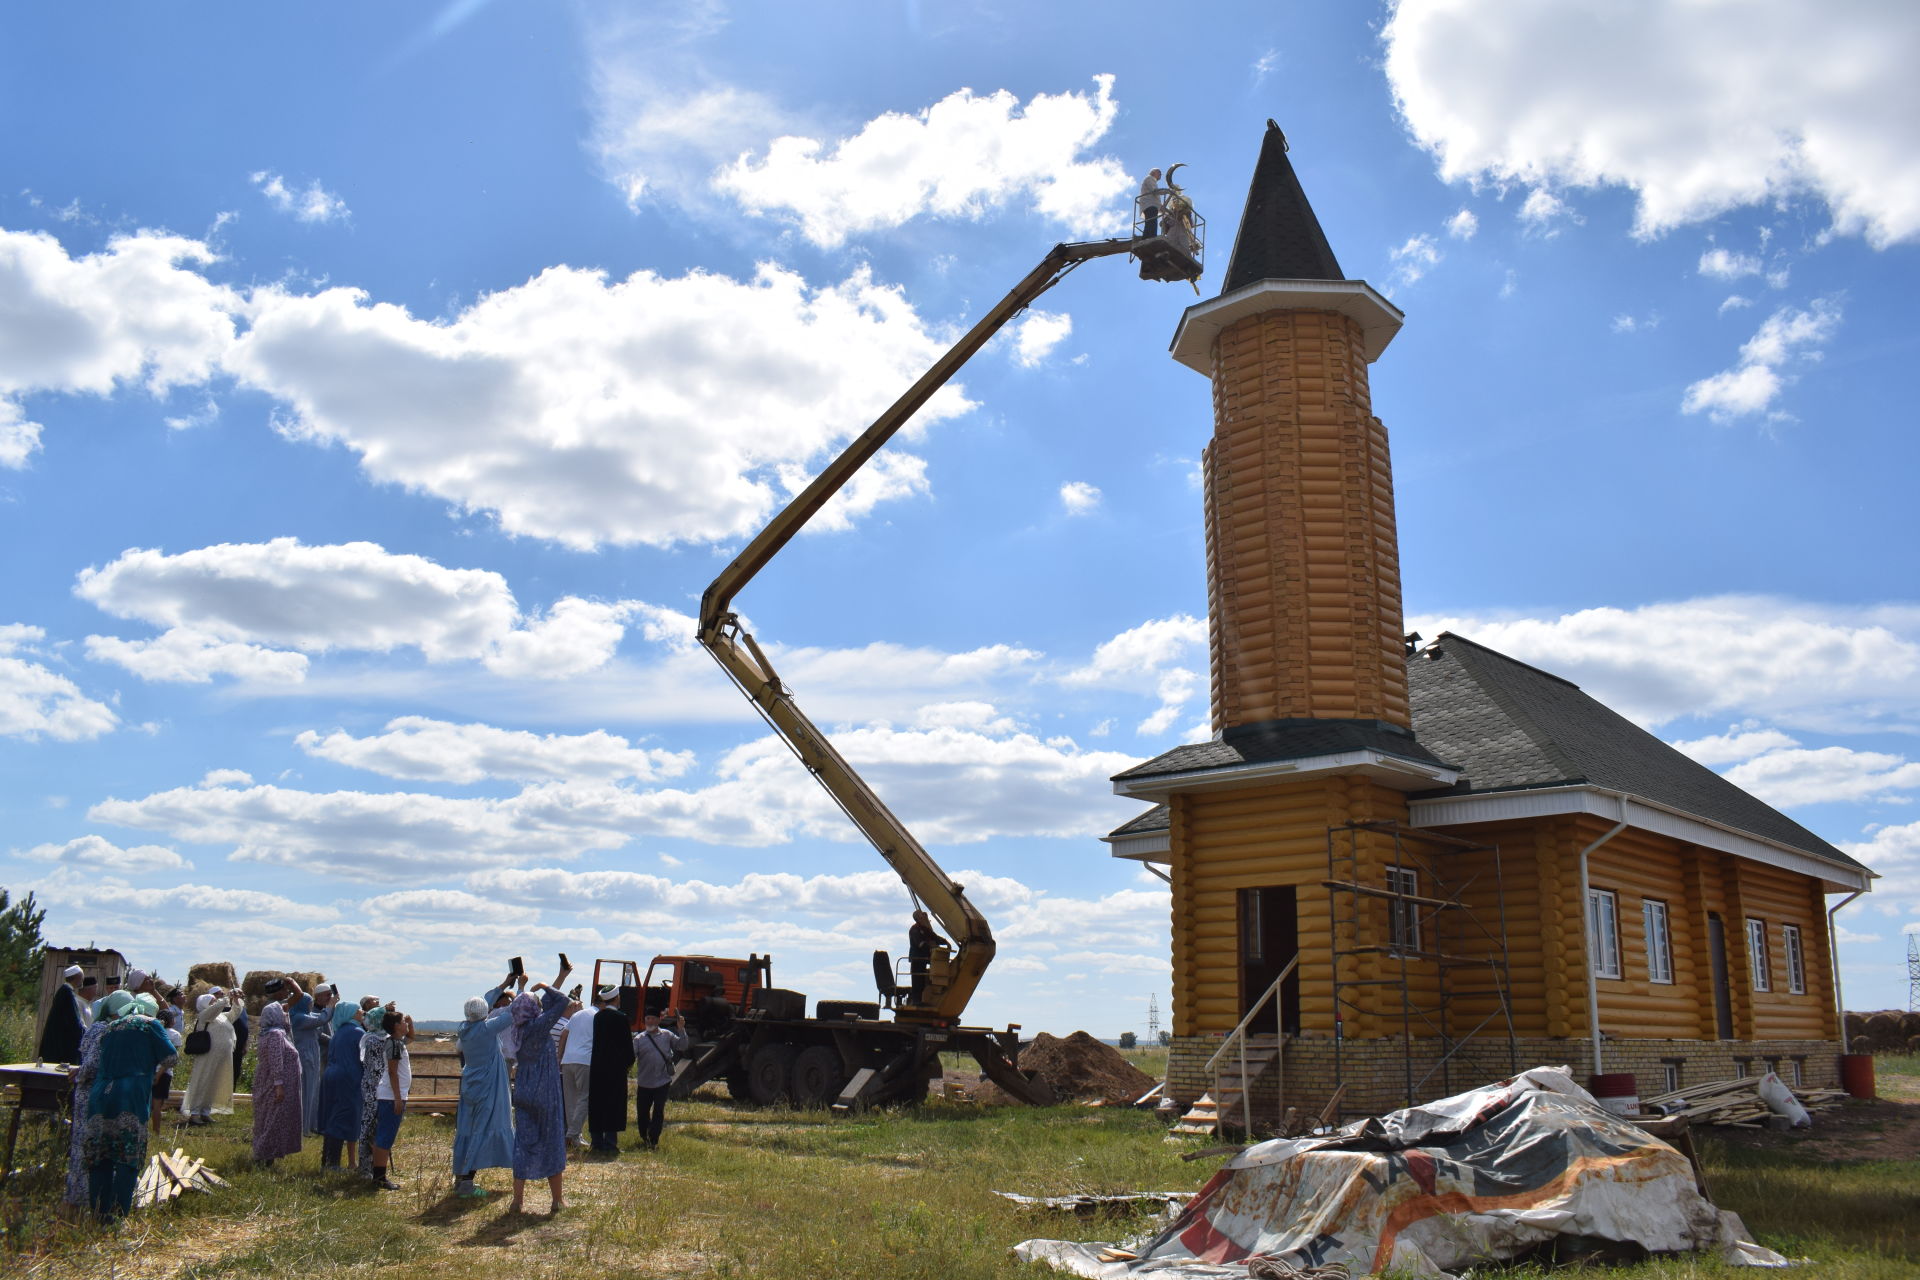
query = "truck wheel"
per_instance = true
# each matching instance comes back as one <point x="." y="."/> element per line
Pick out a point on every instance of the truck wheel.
<point x="818" y="1076"/>
<point x="770" y="1073"/>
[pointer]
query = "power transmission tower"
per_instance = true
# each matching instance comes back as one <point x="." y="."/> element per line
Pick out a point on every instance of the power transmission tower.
<point x="1153" y="1019"/>
<point x="1913" y="971"/>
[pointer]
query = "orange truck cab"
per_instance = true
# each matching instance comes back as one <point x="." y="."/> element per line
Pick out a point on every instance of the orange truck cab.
<point x="705" y="991"/>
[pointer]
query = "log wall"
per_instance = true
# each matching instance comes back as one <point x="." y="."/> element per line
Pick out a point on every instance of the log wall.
<point x="1303" y="564"/>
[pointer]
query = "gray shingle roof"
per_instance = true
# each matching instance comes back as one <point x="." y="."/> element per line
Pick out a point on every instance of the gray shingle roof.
<point x="1279" y="236"/>
<point x="1276" y="740"/>
<point x="1509" y="726"/>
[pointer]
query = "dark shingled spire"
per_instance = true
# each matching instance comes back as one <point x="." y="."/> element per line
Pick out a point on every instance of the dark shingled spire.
<point x="1279" y="238"/>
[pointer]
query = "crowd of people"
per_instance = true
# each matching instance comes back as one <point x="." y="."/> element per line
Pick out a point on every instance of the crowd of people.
<point x="541" y="1074"/>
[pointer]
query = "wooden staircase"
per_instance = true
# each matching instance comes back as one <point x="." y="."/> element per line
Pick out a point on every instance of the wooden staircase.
<point x="1221" y="1107"/>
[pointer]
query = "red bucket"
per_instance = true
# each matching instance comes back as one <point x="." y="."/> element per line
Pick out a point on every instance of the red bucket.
<point x="1856" y="1074"/>
<point x="1617" y="1091"/>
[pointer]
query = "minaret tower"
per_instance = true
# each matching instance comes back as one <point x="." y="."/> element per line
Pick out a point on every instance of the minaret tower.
<point x="1303" y="568"/>
<point x="1311" y="724"/>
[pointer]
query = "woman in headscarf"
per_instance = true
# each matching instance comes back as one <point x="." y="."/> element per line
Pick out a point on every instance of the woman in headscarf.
<point x="340" y="1088"/>
<point x="374" y="1048"/>
<point x="209" y="1086"/>
<point x="306" y="1017"/>
<point x="276" y="1088"/>
<point x="88" y="1053"/>
<point x="607" y="1073"/>
<point x="483" y="1125"/>
<point x="119" y="1095"/>
<point x="539" y="1134"/>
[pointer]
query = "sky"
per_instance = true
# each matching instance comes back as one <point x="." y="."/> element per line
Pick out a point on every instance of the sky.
<point x="380" y="387"/>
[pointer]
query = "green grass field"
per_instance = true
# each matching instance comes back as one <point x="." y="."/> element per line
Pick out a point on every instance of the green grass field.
<point x="797" y="1196"/>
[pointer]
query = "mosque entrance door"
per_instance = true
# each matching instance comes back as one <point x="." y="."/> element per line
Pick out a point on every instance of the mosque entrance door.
<point x="1269" y="937"/>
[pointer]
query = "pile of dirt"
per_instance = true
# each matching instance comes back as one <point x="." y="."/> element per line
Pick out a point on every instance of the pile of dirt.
<point x="1887" y="1031"/>
<point x="1080" y="1069"/>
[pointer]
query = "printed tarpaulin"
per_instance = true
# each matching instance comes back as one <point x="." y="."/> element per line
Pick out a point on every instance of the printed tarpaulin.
<point x="1483" y="1176"/>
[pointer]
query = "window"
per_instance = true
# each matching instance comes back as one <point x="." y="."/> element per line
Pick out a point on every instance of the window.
<point x="1757" y="954"/>
<point x="1659" y="941"/>
<point x="1796" y="965"/>
<point x="1603" y="932"/>
<point x="1742" y="1068"/>
<point x="1403" y="918"/>
<point x="1670" y="1068"/>
<point x="1800" y="1072"/>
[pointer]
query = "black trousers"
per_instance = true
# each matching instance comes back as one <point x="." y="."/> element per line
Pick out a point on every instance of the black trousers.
<point x="650" y="1112"/>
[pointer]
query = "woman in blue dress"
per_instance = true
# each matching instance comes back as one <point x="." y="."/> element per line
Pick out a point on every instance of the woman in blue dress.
<point x="539" y="1138"/>
<point x="483" y="1125"/>
<point x="119" y="1102"/>
<point x="339" y="1118"/>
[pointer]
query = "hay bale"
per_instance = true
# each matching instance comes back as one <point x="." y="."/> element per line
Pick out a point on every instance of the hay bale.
<point x="214" y="973"/>
<point x="254" y="985"/>
<point x="1910" y="1024"/>
<point x="1856" y="1026"/>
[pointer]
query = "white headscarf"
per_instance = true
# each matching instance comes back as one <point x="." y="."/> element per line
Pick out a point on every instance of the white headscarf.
<point x="200" y="1005"/>
<point x="476" y="1008"/>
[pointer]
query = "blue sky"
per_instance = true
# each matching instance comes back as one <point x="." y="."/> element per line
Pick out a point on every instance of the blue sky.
<point x="380" y="386"/>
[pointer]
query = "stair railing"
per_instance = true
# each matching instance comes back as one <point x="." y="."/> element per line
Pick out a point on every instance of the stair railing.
<point x="1239" y="1034"/>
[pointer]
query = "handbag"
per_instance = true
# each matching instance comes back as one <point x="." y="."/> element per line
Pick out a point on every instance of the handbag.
<point x="197" y="1042"/>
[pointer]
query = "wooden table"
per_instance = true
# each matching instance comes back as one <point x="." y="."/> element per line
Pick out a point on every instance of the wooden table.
<point x="41" y="1087"/>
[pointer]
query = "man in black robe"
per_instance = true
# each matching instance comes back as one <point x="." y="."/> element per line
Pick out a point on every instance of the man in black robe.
<point x="607" y="1073"/>
<point x="60" y="1041"/>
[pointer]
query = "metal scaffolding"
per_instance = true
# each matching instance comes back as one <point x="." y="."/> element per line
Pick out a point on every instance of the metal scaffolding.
<point x="1430" y="921"/>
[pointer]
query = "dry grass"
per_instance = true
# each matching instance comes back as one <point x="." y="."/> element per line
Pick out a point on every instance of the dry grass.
<point x="792" y="1195"/>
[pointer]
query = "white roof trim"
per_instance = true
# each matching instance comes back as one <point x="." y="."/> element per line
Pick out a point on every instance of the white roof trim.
<point x="1647" y="815"/>
<point x="1202" y="322"/>
<point x="1406" y="775"/>
<point x="1150" y="846"/>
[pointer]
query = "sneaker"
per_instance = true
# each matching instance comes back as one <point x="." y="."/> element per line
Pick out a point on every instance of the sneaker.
<point x="386" y="1184"/>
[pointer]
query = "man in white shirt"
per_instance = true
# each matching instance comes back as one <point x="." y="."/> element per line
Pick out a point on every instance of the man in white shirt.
<point x="1150" y="194"/>
<point x="576" y="1064"/>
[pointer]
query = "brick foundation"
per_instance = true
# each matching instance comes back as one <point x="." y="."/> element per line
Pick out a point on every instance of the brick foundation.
<point x="1375" y="1073"/>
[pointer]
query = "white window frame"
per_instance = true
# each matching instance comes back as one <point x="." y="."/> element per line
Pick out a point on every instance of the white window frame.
<point x="1757" y="961"/>
<point x="1656" y="919"/>
<point x="1403" y="918"/>
<point x="1796" y="959"/>
<point x="1670" y="1071"/>
<point x="1604" y="947"/>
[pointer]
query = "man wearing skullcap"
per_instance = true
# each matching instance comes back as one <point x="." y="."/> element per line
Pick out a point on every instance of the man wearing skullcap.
<point x="60" y="1041"/>
<point x="607" y="1073"/>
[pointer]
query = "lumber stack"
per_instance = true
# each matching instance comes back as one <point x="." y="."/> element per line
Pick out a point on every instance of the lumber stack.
<point x="1735" y="1102"/>
<point x="168" y="1175"/>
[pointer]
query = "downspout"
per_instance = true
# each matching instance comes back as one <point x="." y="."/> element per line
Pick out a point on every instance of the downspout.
<point x="1586" y="931"/>
<point x="1833" y="953"/>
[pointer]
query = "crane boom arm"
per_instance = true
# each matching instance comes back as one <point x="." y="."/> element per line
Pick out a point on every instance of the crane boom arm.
<point x="741" y="658"/>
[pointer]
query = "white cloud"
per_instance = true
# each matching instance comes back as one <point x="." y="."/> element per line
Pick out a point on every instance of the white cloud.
<point x="1414" y="258"/>
<point x="1542" y="209"/>
<point x="1755" y="383"/>
<point x="951" y="784"/>
<point x="1791" y="663"/>
<point x="1635" y="324"/>
<point x="1734" y="302"/>
<point x="1697" y="108"/>
<point x="1037" y="334"/>
<point x="1893" y="852"/>
<point x="1720" y="264"/>
<point x="435" y="751"/>
<point x="1159" y="656"/>
<point x="966" y="156"/>
<point x="253" y="610"/>
<point x="314" y="203"/>
<point x="129" y="314"/>
<point x="1079" y="498"/>
<point x="105" y="895"/>
<point x="1462" y="225"/>
<point x="1741" y="742"/>
<point x="456" y="905"/>
<point x="35" y="700"/>
<point x="648" y="410"/>
<point x="1824" y="775"/>
<point x="1264" y="66"/>
<point x="102" y="855"/>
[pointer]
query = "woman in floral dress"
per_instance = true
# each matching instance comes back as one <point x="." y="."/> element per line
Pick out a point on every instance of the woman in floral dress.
<point x="276" y="1088"/>
<point x="539" y="1145"/>
<point x="89" y="1055"/>
<point x="373" y="1067"/>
